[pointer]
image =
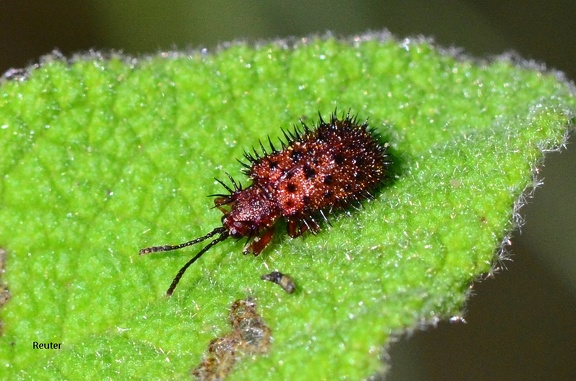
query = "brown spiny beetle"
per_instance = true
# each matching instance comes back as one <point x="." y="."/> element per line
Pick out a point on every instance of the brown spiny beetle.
<point x="317" y="170"/>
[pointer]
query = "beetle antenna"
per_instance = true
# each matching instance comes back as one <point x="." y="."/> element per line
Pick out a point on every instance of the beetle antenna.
<point x="223" y="235"/>
<point x="155" y="249"/>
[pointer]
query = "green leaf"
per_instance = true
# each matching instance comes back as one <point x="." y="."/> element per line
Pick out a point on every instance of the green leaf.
<point x="103" y="156"/>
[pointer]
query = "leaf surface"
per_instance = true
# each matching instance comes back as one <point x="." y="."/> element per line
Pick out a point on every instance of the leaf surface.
<point x="104" y="156"/>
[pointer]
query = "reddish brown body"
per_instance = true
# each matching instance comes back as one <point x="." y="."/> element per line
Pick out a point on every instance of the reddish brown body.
<point x="321" y="169"/>
<point x="317" y="170"/>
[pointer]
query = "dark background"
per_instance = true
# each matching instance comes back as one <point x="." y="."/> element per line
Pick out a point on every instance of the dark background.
<point x="521" y="324"/>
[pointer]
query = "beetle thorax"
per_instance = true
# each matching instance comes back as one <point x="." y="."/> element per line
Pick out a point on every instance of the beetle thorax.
<point x="251" y="211"/>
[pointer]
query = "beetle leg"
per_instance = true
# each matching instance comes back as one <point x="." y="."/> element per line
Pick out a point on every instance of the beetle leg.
<point x="297" y="227"/>
<point x="293" y="227"/>
<point x="259" y="242"/>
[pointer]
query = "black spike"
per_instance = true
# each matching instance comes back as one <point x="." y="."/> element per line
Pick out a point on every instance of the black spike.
<point x="219" y="195"/>
<point x="305" y="127"/>
<point x="249" y="157"/>
<point x="333" y="117"/>
<point x="274" y="150"/>
<point x="256" y="154"/>
<point x="294" y="133"/>
<point x="224" y="185"/>
<point x="289" y="138"/>
<point x="247" y="166"/>
<point x="263" y="148"/>
<point x="237" y="186"/>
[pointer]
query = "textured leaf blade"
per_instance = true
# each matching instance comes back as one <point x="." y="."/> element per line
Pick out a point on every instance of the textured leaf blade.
<point x="103" y="156"/>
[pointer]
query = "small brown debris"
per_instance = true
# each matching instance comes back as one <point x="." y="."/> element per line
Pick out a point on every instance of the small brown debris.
<point x="280" y="279"/>
<point x="250" y="336"/>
